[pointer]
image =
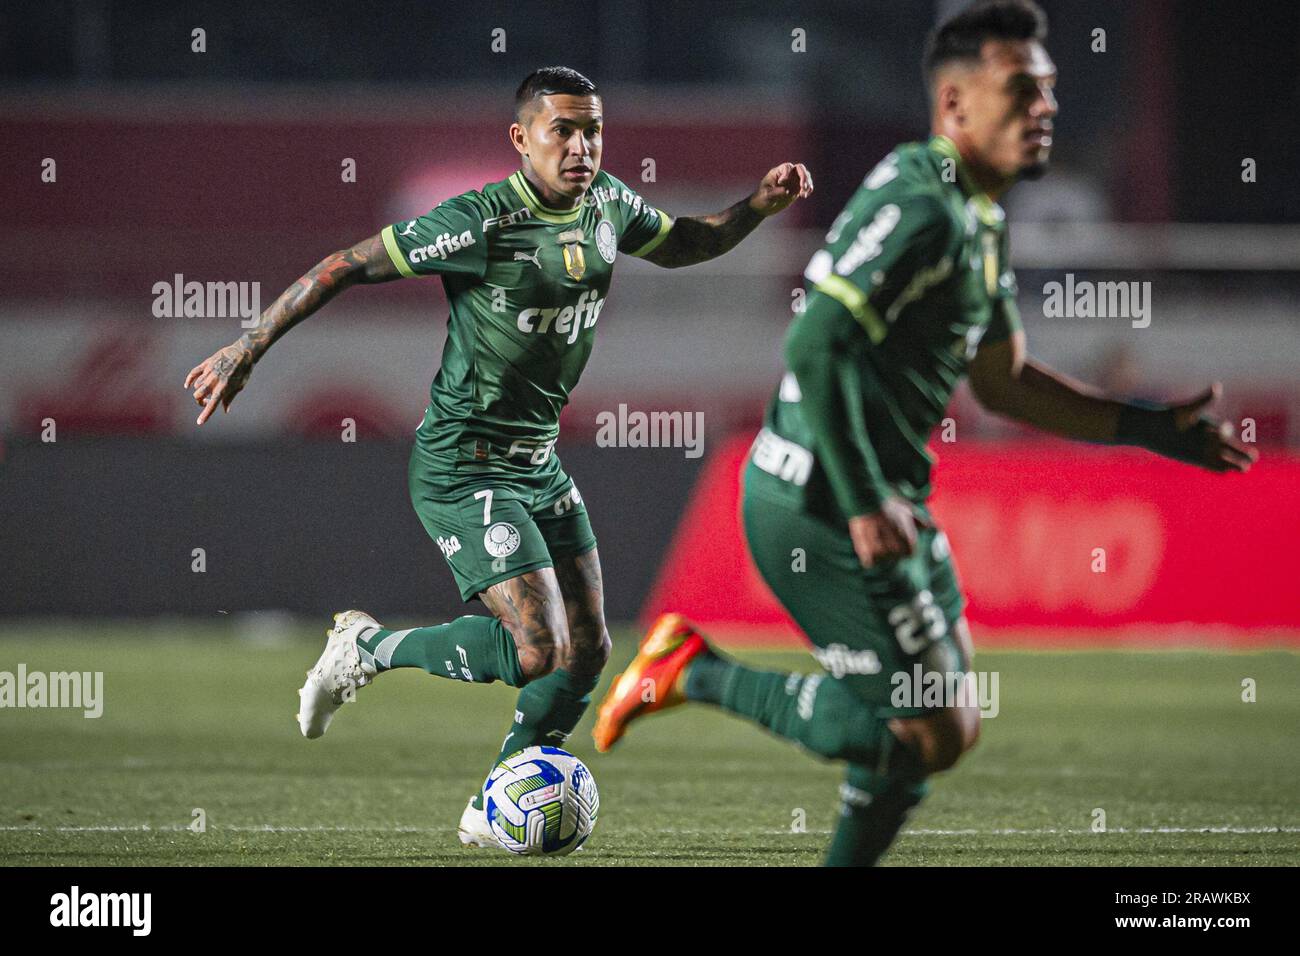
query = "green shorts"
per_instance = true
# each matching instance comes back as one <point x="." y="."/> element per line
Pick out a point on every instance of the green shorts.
<point x="867" y="625"/>
<point x="494" y="523"/>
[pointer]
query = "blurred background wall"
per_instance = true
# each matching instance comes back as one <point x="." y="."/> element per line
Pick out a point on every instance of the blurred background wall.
<point x="1174" y="165"/>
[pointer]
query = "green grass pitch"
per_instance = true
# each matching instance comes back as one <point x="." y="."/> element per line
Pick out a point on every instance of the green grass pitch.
<point x="1161" y="741"/>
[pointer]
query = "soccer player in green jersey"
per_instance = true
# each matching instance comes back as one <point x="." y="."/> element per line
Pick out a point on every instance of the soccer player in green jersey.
<point x="526" y="263"/>
<point x="911" y="290"/>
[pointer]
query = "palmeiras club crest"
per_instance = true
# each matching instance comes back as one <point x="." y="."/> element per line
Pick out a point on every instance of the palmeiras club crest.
<point x="606" y="240"/>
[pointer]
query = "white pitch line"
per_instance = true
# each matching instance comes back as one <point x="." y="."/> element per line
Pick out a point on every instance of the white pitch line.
<point x="236" y="828"/>
<point x="1046" y="831"/>
<point x="271" y="828"/>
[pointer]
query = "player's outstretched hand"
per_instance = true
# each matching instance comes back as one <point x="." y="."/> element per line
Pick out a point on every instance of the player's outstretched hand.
<point x="781" y="186"/>
<point x="219" y="378"/>
<point x="1219" y="450"/>
<point x="885" y="534"/>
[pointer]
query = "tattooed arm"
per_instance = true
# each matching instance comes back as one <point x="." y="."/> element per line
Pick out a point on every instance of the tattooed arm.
<point x="365" y="262"/>
<point x="694" y="239"/>
<point x="220" y="377"/>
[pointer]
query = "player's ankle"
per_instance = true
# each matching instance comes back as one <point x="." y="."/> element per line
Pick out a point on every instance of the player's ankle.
<point x="704" y="678"/>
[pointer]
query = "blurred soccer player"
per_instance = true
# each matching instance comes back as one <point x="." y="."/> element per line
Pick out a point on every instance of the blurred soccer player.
<point x="526" y="263"/>
<point x="912" y="290"/>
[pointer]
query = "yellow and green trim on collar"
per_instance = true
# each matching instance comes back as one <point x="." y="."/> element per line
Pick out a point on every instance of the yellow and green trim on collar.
<point x="395" y="253"/>
<point x="983" y="205"/>
<point x="520" y="184"/>
<point x="665" y="226"/>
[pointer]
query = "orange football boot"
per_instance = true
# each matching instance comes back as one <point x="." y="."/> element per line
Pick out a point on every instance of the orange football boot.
<point x="665" y="651"/>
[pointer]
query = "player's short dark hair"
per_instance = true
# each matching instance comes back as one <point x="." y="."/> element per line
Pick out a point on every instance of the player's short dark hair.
<point x="962" y="36"/>
<point x="548" y="81"/>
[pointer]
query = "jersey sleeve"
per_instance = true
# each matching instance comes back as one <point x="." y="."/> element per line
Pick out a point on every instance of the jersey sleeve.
<point x="446" y="240"/>
<point x="643" y="226"/>
<point x="823" y="349"/>
<point x="877" y="247"/>
<point x="1005" y="321"/>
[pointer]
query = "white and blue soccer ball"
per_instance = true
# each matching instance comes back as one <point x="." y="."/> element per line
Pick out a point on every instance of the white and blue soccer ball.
<point x="541" y="801"/>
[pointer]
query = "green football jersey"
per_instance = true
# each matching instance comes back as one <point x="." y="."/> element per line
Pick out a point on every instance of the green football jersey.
<point x="919" y="257"/>
<point x="526" y="285"/>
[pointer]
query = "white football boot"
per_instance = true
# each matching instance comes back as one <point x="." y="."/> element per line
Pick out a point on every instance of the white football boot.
<point x="337" y="674"/>
<point x="474" y="829"/>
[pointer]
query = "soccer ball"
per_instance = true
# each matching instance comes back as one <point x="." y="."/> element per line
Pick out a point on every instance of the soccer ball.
<point x="541" y="801"/>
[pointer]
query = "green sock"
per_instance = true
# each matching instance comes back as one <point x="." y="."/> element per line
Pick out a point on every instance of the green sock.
<point x="470" y="648"/>
<point x="873" y="808"/>
<point x="546" y="713"/>
<point x="813" y="710"/>
<point x="826" y="717"/>
<point x="706" y="677"/>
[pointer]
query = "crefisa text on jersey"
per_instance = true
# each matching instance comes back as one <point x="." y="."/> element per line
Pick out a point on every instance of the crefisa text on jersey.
<point x="569" y="321"/>
<point x="441" y="247"/>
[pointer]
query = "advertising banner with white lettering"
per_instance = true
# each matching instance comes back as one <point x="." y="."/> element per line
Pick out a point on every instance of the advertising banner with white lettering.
<point x="1061" y="543"/>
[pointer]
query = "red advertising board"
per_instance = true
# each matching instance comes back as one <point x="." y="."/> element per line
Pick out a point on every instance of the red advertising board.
<point x="1059" y="538"/>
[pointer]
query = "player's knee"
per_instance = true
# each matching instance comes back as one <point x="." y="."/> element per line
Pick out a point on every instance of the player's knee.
<point x="591" y="658"/>
<point x="589" y="647"/>
<point x="971" y="728"/>
<point x="943" y="752"/>
<point x="957" y="731"/>
<point x="940" y="738"/>
<point x="540" y="651"/>
<point x="589" y="643"/>
<point x="535" y="663"/>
